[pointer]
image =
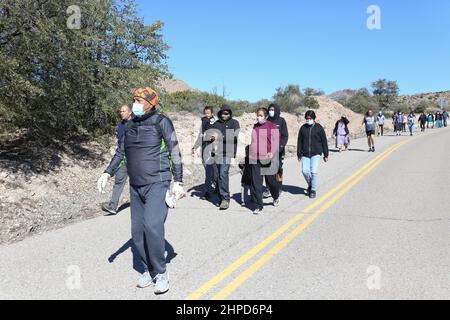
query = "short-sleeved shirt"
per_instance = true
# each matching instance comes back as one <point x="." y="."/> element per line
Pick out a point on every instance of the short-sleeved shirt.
<point x="370" y="123"/>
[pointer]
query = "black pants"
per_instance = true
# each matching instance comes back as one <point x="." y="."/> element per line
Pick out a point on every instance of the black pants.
<point x="256" y="187"/>
<point x="381" y="128"/>
<point x="422" y="126"/>
<point x="211" y="178"/>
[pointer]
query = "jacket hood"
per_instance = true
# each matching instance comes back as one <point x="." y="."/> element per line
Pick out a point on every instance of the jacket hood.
<point x="277" y="111"/>
<point x="225" y="108"/>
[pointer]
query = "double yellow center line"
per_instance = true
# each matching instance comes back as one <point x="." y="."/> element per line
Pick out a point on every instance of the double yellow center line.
<point x="324" y="203"/>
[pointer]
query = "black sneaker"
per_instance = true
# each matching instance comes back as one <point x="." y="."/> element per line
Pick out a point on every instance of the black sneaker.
<point x="110" y="211"/>
<point x="308" y="191"/>
<point x="312" y="195"/>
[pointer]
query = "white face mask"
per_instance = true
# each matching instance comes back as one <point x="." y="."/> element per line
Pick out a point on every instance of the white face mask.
<point x="309" y="122"/>
<point x="272" y="114"/>
<point x="261" y="120"/>
<point x="138" y="109"/>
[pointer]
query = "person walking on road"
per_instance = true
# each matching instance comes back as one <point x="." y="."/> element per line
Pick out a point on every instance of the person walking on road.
<point x="342" y="134"/>
<point x="226" y="134"/>
<point x="280" y="122"/>
<point x="398" y="123"/>
<point x="246" y="180"/>
<point x="264" y="152"/>
<point x="151" y="148"/>
<point x="381" y="119"/>
<point x="121" y="176"/>
<point x="430" y="123"/>
<point x="439" y="119"/>
<point x="405" y="122"/>
<point x="445" y="116"/>
<point x="411" y="123"/>
<point x="311" y="145"/>
<point x="204" y="141"/>
<point x="370" y="125"/>
<point x="423" y="121"/>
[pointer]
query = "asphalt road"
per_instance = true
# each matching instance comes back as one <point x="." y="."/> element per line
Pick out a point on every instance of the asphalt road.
<point x="378" y="230"/>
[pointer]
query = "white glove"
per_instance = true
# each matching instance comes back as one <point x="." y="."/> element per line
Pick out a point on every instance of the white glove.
<point x="178" y="190"/>
<point x="101" y="183"/>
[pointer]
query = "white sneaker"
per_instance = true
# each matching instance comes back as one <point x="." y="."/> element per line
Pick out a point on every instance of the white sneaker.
<point x="258" y="212"/>
<point x="267" y="194"/>
<point x="145" y="280"/>
<point x="162" y="283"/>
<point x="276" y="203"/>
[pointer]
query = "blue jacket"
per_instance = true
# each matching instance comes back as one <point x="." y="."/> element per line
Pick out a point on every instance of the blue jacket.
<point x="151" y="148"/>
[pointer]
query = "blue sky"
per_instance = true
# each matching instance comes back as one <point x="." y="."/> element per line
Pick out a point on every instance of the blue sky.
<point x="252" y="47"/>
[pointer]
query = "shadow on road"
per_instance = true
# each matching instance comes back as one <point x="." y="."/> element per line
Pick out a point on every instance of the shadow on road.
<point x="137" y="263"/>
<point x="294" y="190"/>
<point x="197" y="192"/>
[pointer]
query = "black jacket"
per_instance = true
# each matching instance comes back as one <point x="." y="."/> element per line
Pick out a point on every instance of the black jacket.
<point x="423" y="118"/>
<point x="312" y="141"/>
<point x="152" y="151"/>
<point x="282" y="126"/>
<point x="228" y="134"/>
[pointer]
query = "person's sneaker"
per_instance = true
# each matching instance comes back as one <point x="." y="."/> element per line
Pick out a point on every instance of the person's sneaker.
<point x="162" y="283"/>
<point x="308" y="191"/>
<point x="267" y="194"/>
<point x="225" y="205"/>
<point x="373" y="149"/>
<point x="276" y="203"/>
<point x="243" y="204"/>
<point x="258" y="212"/>
<point x="312" y="195"/>
<point x="145" y="280"/>
<point x="108" y="209"/>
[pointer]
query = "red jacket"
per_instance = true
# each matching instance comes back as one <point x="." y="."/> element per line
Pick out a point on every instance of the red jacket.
<point x="265" y="140"/>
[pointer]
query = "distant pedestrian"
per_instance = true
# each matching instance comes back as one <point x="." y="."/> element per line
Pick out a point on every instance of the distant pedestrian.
<point x="205" y="141"/>
<point x="342" y="134"/>
<point x="405" y="122"/>
<point x="411" y="123"/>
<point x="370" y="123"/>
<point x="121" y="175"/>
<point x="263" y="155"/>
<point x="398" y="123"/>
<point x="446" y="116"/>
<point x="423" y="121"/>
<point x="381" y="119"/>
<point x="311" y="145"/>
<point x="430" y="123"/>
<point x="439" y="120"/>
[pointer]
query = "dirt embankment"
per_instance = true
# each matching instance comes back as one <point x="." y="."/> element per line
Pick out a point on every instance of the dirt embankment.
<point x="33" y="202"/>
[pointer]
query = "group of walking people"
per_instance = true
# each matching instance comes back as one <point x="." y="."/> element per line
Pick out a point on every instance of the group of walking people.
<point x="148" y="153"/>
<point x="264" y="157"/>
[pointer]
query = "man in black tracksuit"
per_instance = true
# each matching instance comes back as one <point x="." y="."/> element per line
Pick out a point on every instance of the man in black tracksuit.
<point x="312" y="143"/>
<point x="204" y="140"/>
<point x="226" y="133"/>
<point x="153" y="156"/>
<point x="280" y="122"/>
